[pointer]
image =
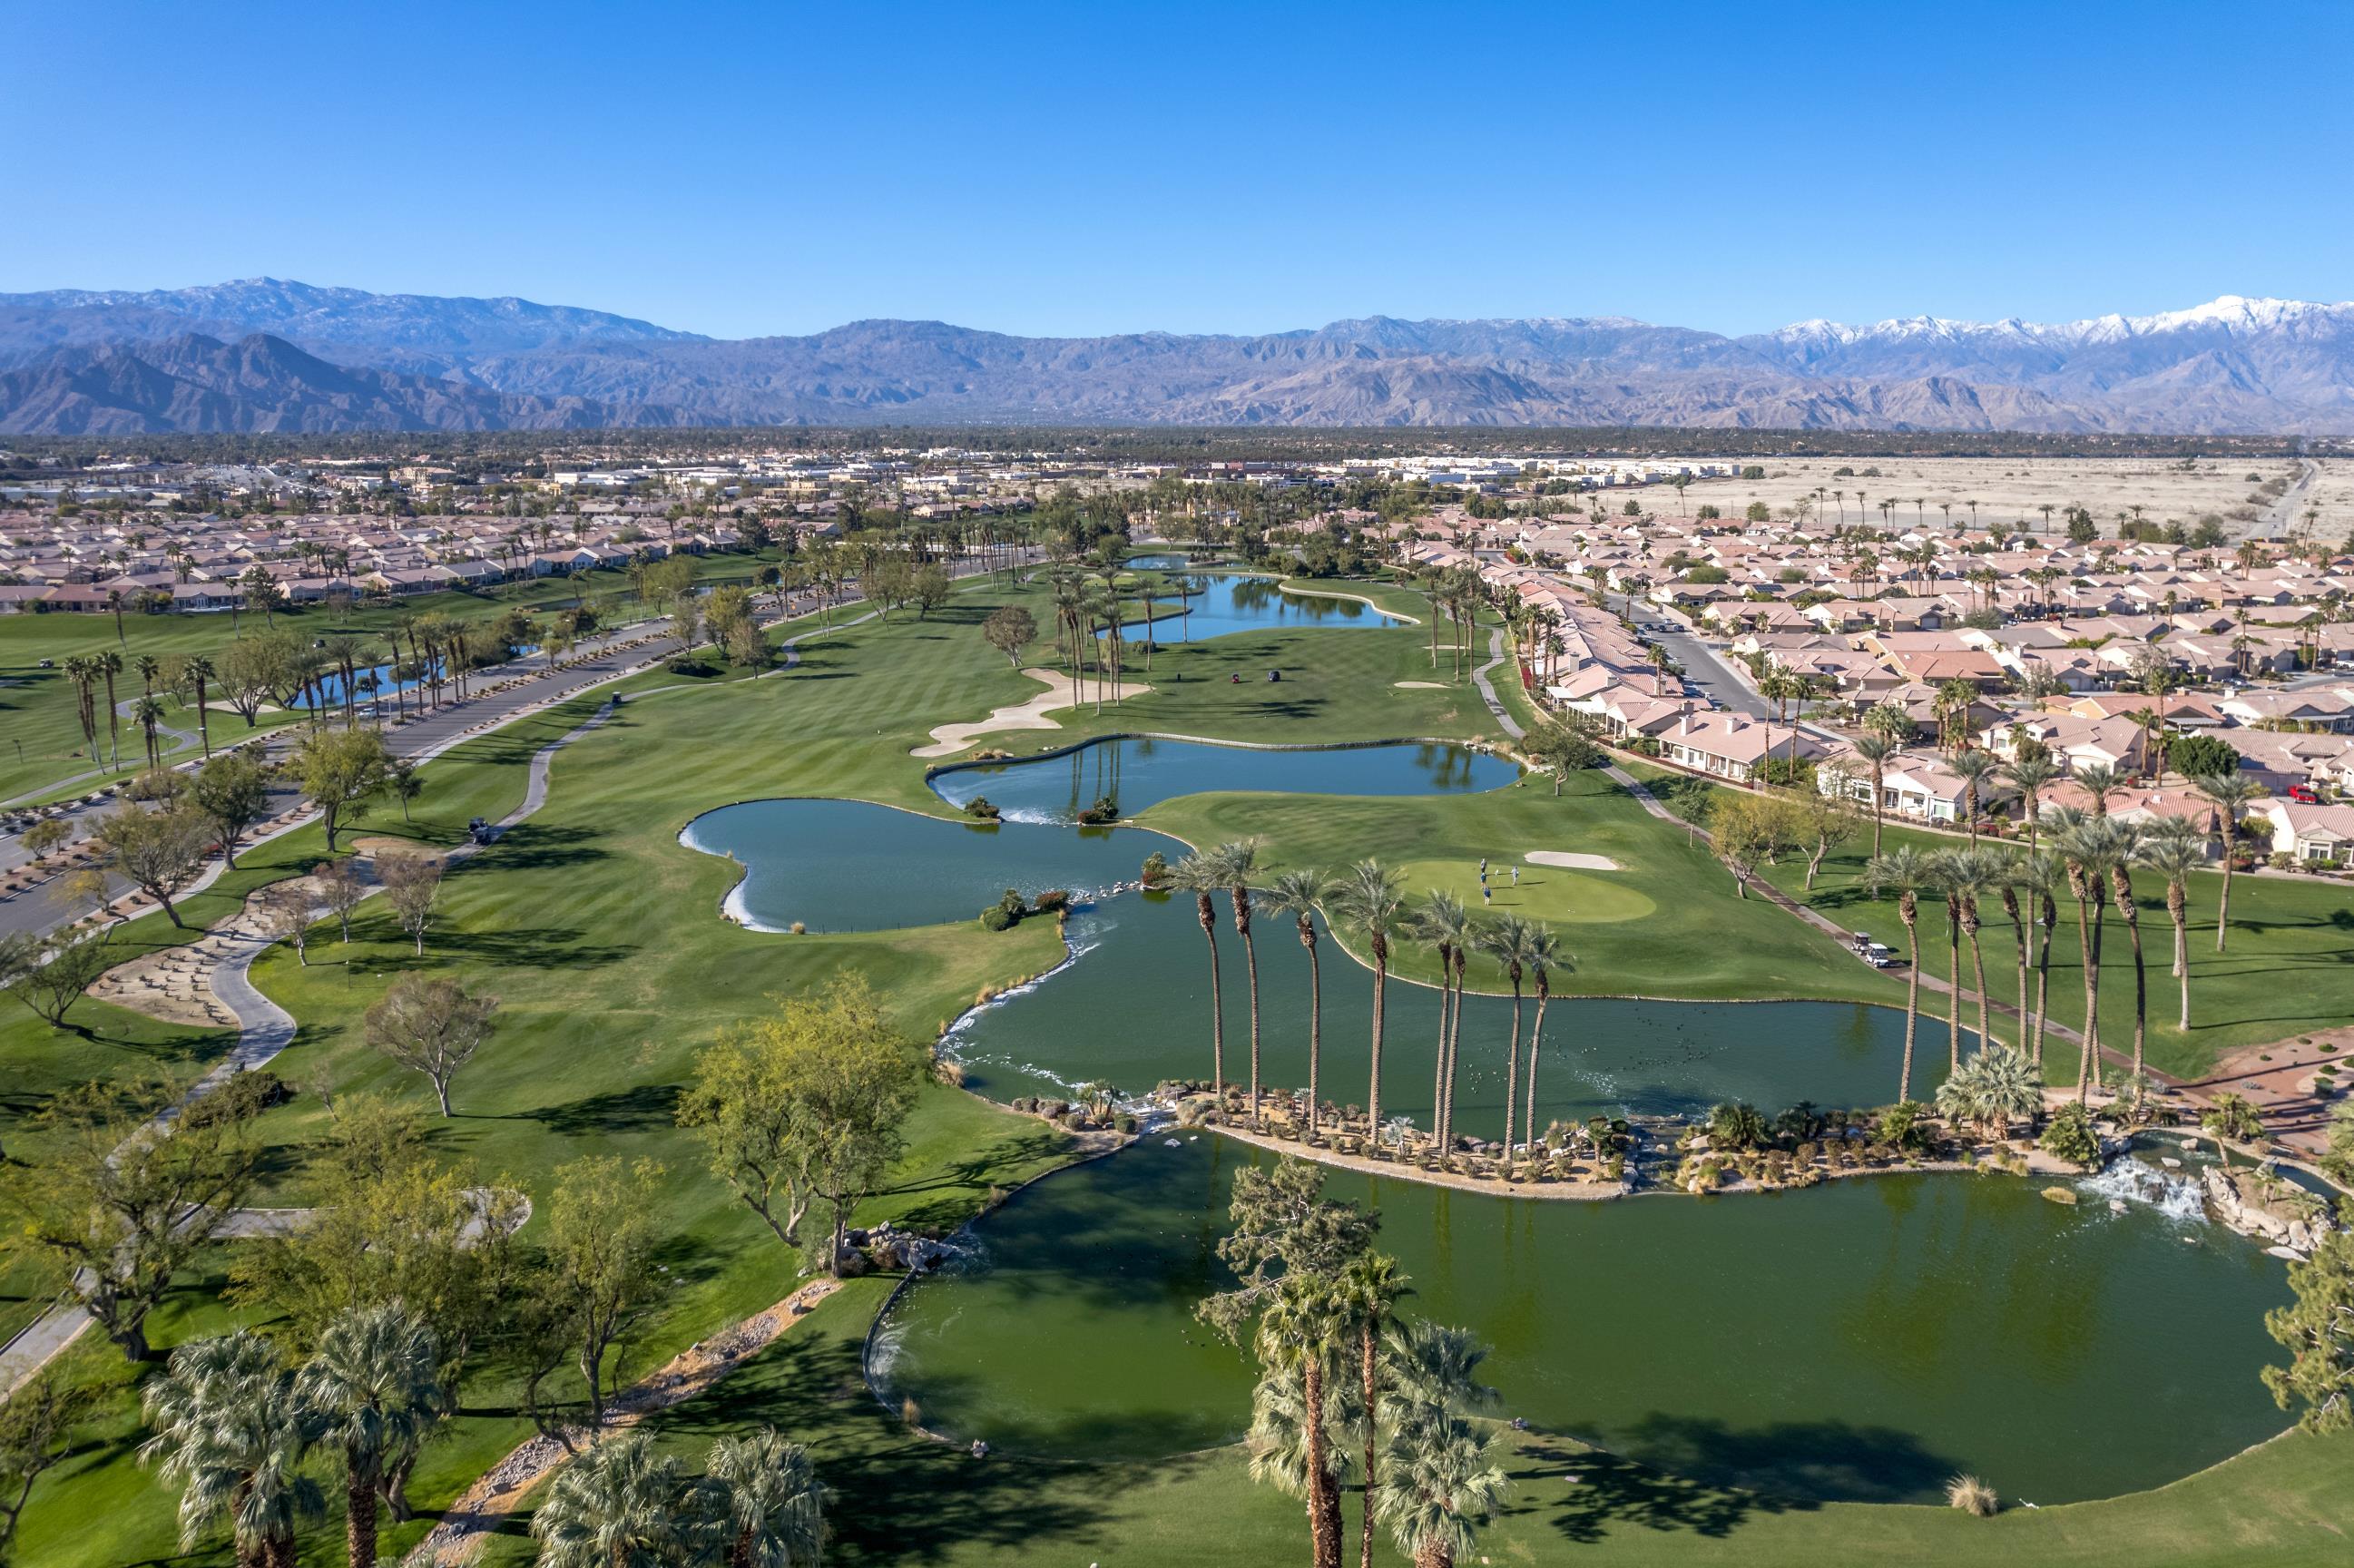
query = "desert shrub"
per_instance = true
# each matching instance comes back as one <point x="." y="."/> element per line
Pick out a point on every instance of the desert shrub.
<point x="980" y="808"/>
<point x="2070" y="1136"/>
<point x="1156" y="869"/>
<point x="996" y="919"/>
<point x="1972" y="1496"/>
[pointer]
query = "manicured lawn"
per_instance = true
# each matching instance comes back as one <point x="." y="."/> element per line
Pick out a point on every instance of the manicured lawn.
<point x="2289" y="967"/>
<point x="37" y="705"/>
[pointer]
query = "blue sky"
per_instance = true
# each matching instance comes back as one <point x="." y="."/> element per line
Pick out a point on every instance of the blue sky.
<point x="782" y="168"/>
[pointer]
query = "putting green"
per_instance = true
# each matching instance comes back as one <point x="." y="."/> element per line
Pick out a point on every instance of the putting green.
<point x="1545" y="891"/>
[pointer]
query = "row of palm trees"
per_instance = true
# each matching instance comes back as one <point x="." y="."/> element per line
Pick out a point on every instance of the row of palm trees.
<point x="237" y="1430"/>
<point x="2090" y="859"/>
<point x="1370" y="899"/>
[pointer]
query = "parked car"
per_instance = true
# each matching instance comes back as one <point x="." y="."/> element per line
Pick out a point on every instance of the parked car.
<point x="1875" y="953"/>
<point x="2305" y="794"/>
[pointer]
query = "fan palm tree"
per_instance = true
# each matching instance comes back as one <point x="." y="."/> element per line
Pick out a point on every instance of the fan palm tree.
<point x="1238" y="860"/>
<point x="618" y="1505"/>
<point x="2088" y="853"/>
<point x="1507" y="940"/>
<point x="2099" y="781"/>
<point x="1905" y="871"/>
<point x="1946" y="880"/>
<point x="1301" y="893"/>
<point x="374" y="1390"/>
<point x="771" y="1499"/>
<point x="1302" y="1335"/>
<point x="2030" y="774"/>
<point x="1444" y="925"/>
<point x="1370" y="1289"/>
<point x="2037" y="879"/>
<point x="1975" y="874"/>
<point x="1370" y="900"/>
<point x="147" y="711"/>
<point x="2125" y="848"/>
<point x="1875" y="748"/>
<point x="1541" y="956"/>
<point x="108" y="664"/>
<point x="230" y="1433"/>
<point x="1993" y="1088"/>
<point x="2175" y="856"/>
<point x="2231" y="795"/>
<point x="1973" y="768"/>
<point x="200" y="674"/>
<point x="1202" y="875"/>
<point x="1441" y="1485"/>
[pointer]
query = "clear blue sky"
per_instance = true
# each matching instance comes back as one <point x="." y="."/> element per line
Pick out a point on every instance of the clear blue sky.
<point x="782" y="168"/>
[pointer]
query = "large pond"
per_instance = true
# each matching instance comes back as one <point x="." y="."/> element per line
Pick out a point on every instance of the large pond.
<point x="1229" y="602"/>
<point x="846" y="865"/>
<point x="1864" y="1340"/>
<point x="1139" y="772"/>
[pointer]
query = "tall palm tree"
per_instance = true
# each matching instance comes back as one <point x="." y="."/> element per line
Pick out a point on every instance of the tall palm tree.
<point x="1541" y="956"/>
<point x="617" y="1505"/>
<point x="2175" y="856"/>
<point x="1875" y="748"/>
<point x="2030" y="775"/>
<point x="200" y="675"/>
<point x="1945" y="879"/>
<point x="2099" y="781"/>
<point x="2125" y="848"/>
<point x="1445" y="925"/>
<point x="1370" y="1289"/>
<point x="1302" y="1335"/>
<point x="1370" y="900"/>
<point x="2231" y="795"/>
<point x="1506" y="939"/>
<point x="147" y="711"/>
<point x="108" y="664"/>
<point x="1301" y="893"/>
<point x="374" y="1388"/>
<point x="1239" y="860"/>
<point x="1202" y="875"/>
<point x="230" y="1433"/>
<point x="2086" y="850"/>
<point x="771" y="1499"/>
<point x="2038" y="877"/>
<point x="1973" y="768"/>
<point x="1905" y="871"/>
<point x="1973" y="873"/>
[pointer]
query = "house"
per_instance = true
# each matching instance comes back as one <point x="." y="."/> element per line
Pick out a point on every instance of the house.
<point x="1912" y="784"/>
<point x="1733" y="746"/>
<point x="2310" y="832"/>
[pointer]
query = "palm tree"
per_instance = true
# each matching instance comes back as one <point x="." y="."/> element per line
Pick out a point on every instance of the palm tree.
<point x="2030" y="774"/>
<point x="109" y="663"/>
<point x="1301" y="893"/>
<point x="1972" y="874"/>
<point x="147" y="711"/>
<point x="1541" y="956"/>
<point x="2231" y="795"/>
<point x="2125" y="848"/>
<point x="2038" y="877"/>
<point x="1507" y="941"/>
<point x="1972" y="768"/>
<point x="2174" y="856"/>
<point x="228" y="1432"/>
<point x="374" y="1390"/>
<point x="771" y="1499"/>
<point x="1300" y="1337"/>
<point x="1993" y="1086"/>
<point x="1875" y="748"/>
<point x="1201" y="875"/>
<point x="2099" y="780"/>
<point x="1369" y="899"/>
<point x="1443" y="923"/>
<point x="1946" y="880"/>
<point x="1905" y="871"/>
<point x="1442" y="1483"/>
<point x="616" y="1506"/>
<point x="2086" y="850"/>
<point x="200" y="675"/>
<point x="1369" y="1288"/>
<point x="1238" y="860"/>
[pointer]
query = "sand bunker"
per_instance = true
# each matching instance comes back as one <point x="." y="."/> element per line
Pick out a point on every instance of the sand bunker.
<point x="1569" y="860"/>
<point x="1421" y="685"/>
<point x="1061" y="693"/>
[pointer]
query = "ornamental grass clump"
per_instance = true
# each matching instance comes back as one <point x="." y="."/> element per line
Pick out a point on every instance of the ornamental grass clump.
<point x="1972" y="1496"/>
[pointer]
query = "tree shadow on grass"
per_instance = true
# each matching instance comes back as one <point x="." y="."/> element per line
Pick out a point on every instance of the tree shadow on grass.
<point x="644" y="1108"/>
<point x="529" y="846"/>
<point x="530" y="947"/>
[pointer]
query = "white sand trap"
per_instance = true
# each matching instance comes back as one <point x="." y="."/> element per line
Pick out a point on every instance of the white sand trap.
<point x="1061" y="693"/>
<point x="1570" y="860"/>
<point x="1421" y="685"/>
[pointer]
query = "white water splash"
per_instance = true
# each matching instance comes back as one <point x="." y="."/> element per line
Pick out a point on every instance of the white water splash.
<point x="2177" y="1195"/>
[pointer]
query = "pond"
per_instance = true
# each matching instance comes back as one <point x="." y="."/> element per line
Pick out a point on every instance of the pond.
<point x="846" y="865"/>
<point x="1234" y="602"/>
<point x="1138" y="771"/>
<point x="1865" y="1339"/>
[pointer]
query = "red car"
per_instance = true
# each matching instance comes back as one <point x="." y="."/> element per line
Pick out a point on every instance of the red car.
<point x="2303" y="793"/>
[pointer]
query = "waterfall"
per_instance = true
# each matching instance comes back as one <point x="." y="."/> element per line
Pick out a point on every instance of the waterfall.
<point x="2177" y="1194"/>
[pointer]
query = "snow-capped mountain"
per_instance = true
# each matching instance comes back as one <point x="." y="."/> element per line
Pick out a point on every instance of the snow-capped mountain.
<point x="2232" y="365"/>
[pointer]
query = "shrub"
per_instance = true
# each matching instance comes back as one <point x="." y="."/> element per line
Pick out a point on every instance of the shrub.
<point x="995" y="918"/>
<point x="1972" y="1496"/>
<point x="1102" y="814"/>
<point x="2070" y="1136"/>
<point x="1051" y="900"/>
<point x="980" y="810"/>
<point x="1900" y="1126"/>
<point x="798" y="928"/>
<point x="1156" y="869"/>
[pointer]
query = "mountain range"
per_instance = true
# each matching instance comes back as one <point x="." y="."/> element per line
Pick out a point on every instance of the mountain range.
<point x="267" y="354"/>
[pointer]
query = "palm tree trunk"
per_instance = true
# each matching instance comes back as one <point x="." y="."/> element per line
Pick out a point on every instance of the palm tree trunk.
<point x="1315" y="1023"/>
<point x="1536" y="1043"/>
<point x="1439" y="1062"/>
<point x="1250" y="968"/>
<point x="2224" y="904"/>
<point x="2051" y="919"/>
<point x="1978" y="965"/>
<point x="2086" y="925"/>
<point x="1323" y="1500"/>
<point x="1954" y="996"/>
<point x="359" y="1520"/>
<point x="2132" y="913"/>
<point x="1911" y="1006"/>
<point x="1512" y="1072"/>
<point x="1370" y="1393"/>
<point x="1217" y="1007"/>
<point x="2174" y="907"/>
<point x="1454" y="1049"/>
<point x="1373" y="1089"/>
